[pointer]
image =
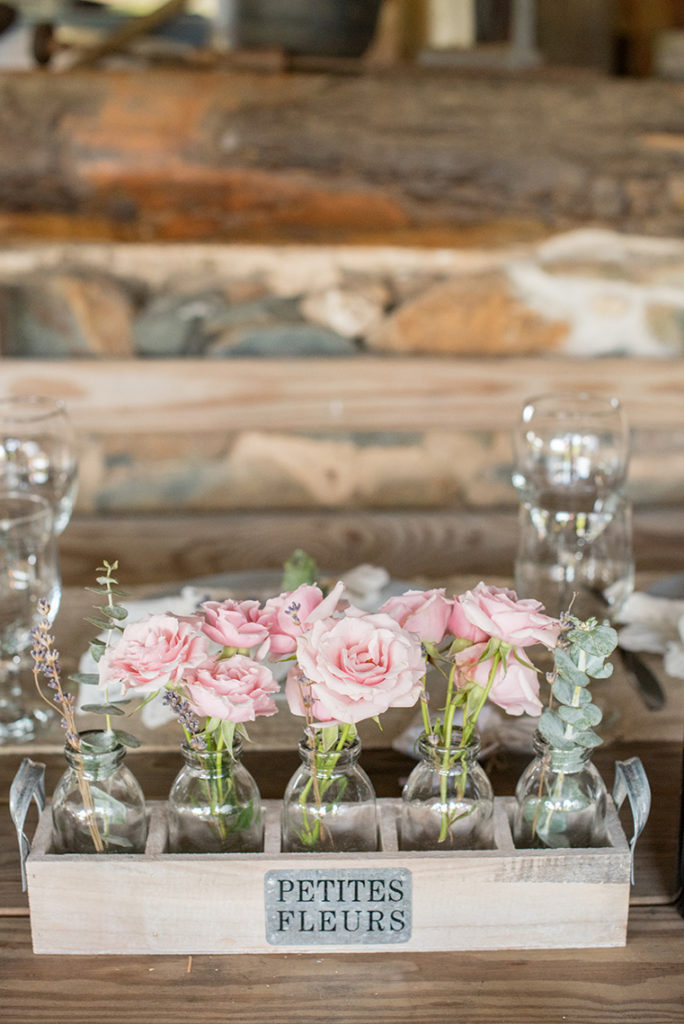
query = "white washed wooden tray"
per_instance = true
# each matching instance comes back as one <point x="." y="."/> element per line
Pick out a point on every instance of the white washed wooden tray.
<point x="270" y="902"/>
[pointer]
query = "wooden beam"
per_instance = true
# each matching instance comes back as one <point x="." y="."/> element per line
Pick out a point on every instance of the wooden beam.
<point x="403" y="394"/>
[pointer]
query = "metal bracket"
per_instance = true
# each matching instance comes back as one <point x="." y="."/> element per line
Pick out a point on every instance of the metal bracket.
<point x="631" y="782"/>
<point x="28" y="784"/>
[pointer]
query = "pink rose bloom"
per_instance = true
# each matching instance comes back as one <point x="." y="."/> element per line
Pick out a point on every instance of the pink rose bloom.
<point x="286" y="617"/>
<point x="234" y="624"/>
<point x="296" y="691"/>
<point x="515" y="689"/>
<point x="425" y="612"/>
<point x="236" y="689"/>
<point x="498" y="612"/>
<point x="154" y="652"/>
<point x="360" y="666"/>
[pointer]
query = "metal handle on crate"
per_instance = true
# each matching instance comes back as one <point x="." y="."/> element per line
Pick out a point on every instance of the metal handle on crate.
<point x="631" y="782"/>
<point x="27" y="785"/>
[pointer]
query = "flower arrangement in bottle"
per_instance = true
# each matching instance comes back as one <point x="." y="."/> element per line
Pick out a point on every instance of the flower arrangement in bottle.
<point x="98" y="805"/>
<point x="478" y="641"/>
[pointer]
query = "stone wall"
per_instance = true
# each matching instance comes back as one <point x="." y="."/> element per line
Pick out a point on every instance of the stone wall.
<point x="382" y="321"/>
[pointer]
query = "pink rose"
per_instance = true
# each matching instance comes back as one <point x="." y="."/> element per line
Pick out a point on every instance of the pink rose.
<point x="236" y="689"/>
<point x="297" y="692"/>
<point x="498" y="612"/>
<point x="515" y="688"/>
<point x="360" y="666"/>
<point x="286" y="617"/>
<point x="425" y="612"/>
<point x="154" y="652"/>
<point x="234" y="624"/>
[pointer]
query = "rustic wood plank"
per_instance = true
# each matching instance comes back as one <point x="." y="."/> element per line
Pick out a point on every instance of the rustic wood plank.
<point x="179" y="396"/>
<point x="163" y="903"/>
<point x="408" y="543"/>
<point x="643" y="981"/>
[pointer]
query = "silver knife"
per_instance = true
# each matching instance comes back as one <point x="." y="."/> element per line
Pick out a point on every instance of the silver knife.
<point x="646" y="682"/>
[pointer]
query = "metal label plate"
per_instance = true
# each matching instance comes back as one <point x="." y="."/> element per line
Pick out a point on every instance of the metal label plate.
<point x="338" y="906"/>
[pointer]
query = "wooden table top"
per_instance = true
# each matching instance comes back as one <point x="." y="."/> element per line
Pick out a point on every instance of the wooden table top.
<point x="644" y="981"/>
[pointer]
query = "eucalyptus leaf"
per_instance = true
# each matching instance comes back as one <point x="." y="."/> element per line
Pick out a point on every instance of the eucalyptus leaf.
<point x="574" y="716"/>
<point x="600" y="640"/>
<point x="587" y="738"/>
<point x="97" y="649"/>
<point x="567" y="668"/>
<point x="102" y="709"/>
<point x="567" y="694"/>
<point x="552" y="729"/>
<point x="116" y="611"/>
<point x="127" y="738"/>
<point x="98" y="623"/>
<point x="597" y="668"/>
<point x="85" y="678"/>
<point x="115" y="811"/>
<point x="110" y="590"/>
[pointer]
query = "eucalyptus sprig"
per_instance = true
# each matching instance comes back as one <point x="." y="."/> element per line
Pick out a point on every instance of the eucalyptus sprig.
<point x="580" y="656"/>
<point x="108" y="620"/>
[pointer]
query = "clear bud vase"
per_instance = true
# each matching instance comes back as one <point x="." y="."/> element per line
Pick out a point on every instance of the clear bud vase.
<point x="98" y="805"/>
<point x="214" y="805"/>
<point x="448" y="801"/>
<point x="561" y="800"/>
<point x="329" y="803"/>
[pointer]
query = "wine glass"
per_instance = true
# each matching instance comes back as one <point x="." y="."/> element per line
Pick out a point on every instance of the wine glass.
<point x="38" y="452"/>
<point x="571" y="455"/>
<point x="29" y="572"/>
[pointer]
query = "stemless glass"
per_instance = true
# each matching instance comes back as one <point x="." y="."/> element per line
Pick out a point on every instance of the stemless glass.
<point x="29" y="571"/>
<point x="571" y="458"/>
<point x="38" y="452"/>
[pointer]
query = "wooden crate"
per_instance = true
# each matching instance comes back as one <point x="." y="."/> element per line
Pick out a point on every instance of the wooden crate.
<point x="270" y="902"/>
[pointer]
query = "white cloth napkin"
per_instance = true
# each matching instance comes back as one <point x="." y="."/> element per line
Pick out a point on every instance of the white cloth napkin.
<point x="654" y="625"/>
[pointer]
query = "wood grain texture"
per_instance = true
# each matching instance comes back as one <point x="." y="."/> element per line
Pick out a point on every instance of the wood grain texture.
<point x="180" y="396"/>
<point x="164" y="903"/>
<point x="410" y="544"/>
<point x="642" y="983"/>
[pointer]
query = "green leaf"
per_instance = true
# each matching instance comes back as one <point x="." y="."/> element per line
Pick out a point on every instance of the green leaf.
<point x="597" y="668"/>
<point x="84" y="678"/>
<point x="299" y="568"/>
<point x="228" y="732"/>
<point x="120" y="841"/>
<point x="587" y="738"/>
<point x="115" y="810"/>
<point x="98" y="623"/>
<point x="566" y="694"/>
<point x="552" y="729"/>
<point x="115" y="611"/>
<point x="329" y="736"/>
<point x="97" y="649"/>
<point x="127" y="738"/>
<point x="574" y="716"/>
<point x="568" y="670"/>
<point x="114" y="591"/>
<point x="599" y="640"/>
<point x="243" y="819"/>
<point x="593" y="714"/>
<point x="102" y="709"/>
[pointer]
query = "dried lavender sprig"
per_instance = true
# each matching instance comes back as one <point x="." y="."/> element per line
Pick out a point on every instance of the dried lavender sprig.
<point x="187" y="718"/>
<point x="46" y="663"/>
